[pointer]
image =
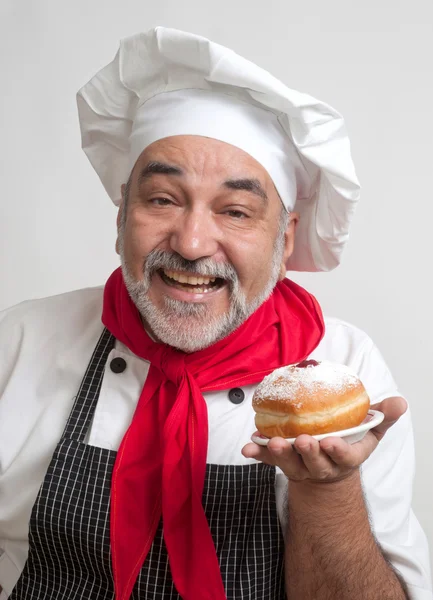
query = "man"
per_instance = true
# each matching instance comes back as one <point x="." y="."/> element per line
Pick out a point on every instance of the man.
<point x="126" y="468"/>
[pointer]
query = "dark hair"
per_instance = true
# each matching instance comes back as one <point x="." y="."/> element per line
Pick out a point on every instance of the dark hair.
<point x="126" y="200"/>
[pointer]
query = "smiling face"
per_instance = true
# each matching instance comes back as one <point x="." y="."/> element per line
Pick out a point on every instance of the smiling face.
<point x="203" y="239"/>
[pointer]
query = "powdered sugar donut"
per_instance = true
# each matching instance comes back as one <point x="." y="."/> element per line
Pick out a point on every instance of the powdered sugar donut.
<point x="310" y="397"/>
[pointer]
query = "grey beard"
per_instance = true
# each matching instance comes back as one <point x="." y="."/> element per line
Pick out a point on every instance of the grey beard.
<point x="191" y="326"/>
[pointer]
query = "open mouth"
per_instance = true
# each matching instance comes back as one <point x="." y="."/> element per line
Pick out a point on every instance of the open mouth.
<point x="194" y="284"/>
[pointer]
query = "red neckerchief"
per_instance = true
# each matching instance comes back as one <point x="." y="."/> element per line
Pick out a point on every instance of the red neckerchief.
<point x="161" y="462"/>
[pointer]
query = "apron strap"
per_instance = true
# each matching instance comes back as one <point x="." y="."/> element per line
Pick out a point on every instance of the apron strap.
<point x="88" y="394"/>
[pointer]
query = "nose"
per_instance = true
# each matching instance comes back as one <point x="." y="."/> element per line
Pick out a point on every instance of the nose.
<point x="194" y="236"/>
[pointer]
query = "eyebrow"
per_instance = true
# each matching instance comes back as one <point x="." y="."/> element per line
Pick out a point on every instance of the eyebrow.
<point x="156" y="167"/>
<point x="249" y="185"/>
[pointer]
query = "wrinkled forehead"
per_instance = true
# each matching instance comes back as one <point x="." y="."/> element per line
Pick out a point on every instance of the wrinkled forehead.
<point x="193" y="155"/>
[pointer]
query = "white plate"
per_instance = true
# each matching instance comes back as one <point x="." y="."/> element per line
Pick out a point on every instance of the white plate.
<point x="353" y="435"/>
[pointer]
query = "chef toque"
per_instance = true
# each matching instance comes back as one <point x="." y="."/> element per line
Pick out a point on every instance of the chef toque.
<point x="167" y="82"/>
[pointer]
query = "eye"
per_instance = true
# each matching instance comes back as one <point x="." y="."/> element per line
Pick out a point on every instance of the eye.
<point x="236" y="214"/>
<point x="160" y="201"/>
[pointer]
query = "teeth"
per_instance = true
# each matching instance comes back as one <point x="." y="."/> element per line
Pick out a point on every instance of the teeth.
<point x="191" y="279"/>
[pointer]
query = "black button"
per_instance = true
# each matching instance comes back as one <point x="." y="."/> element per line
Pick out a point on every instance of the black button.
<point x="236" y="395"/>
<point x="118" y="365"/>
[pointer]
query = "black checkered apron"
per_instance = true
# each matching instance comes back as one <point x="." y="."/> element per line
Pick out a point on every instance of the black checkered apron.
<point x="69" y="536"/>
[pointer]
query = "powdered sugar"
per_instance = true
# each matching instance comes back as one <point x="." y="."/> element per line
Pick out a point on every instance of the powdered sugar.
<point x="288" y="382"/>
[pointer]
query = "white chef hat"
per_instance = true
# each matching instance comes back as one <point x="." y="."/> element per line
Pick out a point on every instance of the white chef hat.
<point x="166" y="82"/>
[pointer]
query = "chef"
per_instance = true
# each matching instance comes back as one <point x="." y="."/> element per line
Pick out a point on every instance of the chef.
<point x="126" y="467"/>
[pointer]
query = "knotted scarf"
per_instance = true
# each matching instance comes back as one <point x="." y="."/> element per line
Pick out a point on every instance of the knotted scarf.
<point x="160" y="466"/>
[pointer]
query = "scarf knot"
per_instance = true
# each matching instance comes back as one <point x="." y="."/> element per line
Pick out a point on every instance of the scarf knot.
<point x="170" y="362"/>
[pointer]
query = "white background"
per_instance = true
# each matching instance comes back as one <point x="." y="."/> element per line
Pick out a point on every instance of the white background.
<point x="371" y="60"/>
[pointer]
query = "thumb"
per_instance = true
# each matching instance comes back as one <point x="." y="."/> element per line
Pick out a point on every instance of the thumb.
<point x="393" y="408"/>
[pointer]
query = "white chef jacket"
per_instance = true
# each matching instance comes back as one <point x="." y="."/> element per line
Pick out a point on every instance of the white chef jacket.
<point x="45" y="347"/>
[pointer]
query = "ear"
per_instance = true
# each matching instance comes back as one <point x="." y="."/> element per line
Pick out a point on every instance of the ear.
<point x="289" y="243"/>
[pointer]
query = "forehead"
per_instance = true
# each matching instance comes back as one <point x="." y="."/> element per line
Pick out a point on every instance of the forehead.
<point x="209" y="157"/>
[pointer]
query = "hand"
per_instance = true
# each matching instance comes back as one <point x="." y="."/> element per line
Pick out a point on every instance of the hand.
<point x="331" y="459"/>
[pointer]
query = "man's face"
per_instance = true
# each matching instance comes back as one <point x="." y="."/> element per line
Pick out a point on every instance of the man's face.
<point x="200" y="240"/>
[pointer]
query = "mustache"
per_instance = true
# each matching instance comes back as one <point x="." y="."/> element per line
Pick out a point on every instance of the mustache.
<point x="161" y="259"/>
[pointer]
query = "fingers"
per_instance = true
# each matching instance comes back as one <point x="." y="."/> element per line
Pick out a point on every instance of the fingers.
<point x="319" y="465"/>
<point x="287" y="458"/>
<point x="349" y="456"/>
<point x="327" y="460"/>
<point x="257" y="452"/>
<point x="279" y="453"/>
